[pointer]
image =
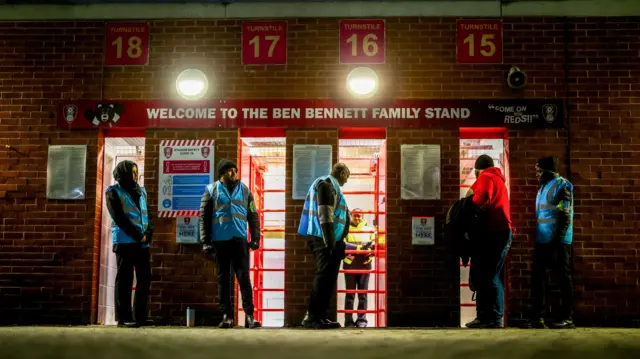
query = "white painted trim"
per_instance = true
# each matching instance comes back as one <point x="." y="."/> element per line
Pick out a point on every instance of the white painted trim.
<point x="573" y="8"/>
<point x="319" y="10"/>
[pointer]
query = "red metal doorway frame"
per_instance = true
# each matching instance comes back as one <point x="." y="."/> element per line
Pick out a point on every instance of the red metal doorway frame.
<point x="493" y="133"/>
<point x="377" y="165"/>
<point x="252" y="172"/>
<point x="103" y="134"/>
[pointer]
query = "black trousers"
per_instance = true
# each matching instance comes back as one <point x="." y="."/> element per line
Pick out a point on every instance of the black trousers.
<point x="129" y="256"/>
<point x="324" y="283"/>
<point x="557" y="258"/>
<point x="234" y="252"/>
<point x="358" y="281"/>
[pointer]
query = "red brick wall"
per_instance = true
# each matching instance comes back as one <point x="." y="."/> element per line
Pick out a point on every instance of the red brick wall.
<point x="47" y="247"/>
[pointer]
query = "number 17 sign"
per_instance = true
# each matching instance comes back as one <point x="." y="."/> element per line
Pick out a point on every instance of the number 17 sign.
<point x="264" y="43"/>
<point x="479" y="41"/>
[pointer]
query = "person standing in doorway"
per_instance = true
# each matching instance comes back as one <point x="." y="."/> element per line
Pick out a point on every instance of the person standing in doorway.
<point x="226" y="207"/>
<point x="554" y="237"/>
<point x="131" y="232"/>
<point x="491" y="241"/>
<point x="362" y="262"/>
<point x="324" y="222"/>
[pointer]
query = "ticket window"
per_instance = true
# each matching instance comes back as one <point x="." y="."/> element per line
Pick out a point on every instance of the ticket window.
<point x="116" y="150"/>
<point x="263" y="170"/>
<point x="473" y="143"/>
<point x="365" y="193"/>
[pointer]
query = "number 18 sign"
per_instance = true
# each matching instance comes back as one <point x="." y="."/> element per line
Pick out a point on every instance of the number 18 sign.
<point x="127" y="45"/>
<point x="479" y="41"/>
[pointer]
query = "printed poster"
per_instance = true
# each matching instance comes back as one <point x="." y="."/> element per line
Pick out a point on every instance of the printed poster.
<point x="309" y="163"/>
<point x="420" y="172"/>
<point x="188" y="230"/>
<point x="422" y="231"/>
<point x="186" y="168"/>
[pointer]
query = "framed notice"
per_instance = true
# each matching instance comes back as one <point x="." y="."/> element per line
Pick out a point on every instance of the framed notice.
<point x="264" y="43"/>
<point x="420" y="172"/>
<point x="309" y="163"/>
<point x="422" y="231"/>
<point x="362" y="41"/>
<point x="186" y="168"/>
<point x="479" y="41"/>
<point x="127" y="44"/>
<point x="66" y="172"/>
<point x="188" y="230"/>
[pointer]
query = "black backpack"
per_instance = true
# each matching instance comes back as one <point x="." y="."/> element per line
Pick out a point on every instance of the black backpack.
<point x="459" y="224"/>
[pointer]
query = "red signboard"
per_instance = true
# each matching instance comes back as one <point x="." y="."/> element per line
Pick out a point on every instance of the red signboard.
<point x="511" y="113"/>
<point x="264" y="43"/>
<point x="362" y="41"/>
<point x="479" y="41"/>
<point x="127" y="44"/>
<point x="188" y="166"/>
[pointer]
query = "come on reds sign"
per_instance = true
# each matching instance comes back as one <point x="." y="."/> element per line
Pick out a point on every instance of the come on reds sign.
<point x="515" y="114"/>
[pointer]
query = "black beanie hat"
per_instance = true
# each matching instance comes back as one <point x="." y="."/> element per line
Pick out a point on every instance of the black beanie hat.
<point x="548" y="164"/>
<point x="483" y="162"/>
<point x="224" y="165"/>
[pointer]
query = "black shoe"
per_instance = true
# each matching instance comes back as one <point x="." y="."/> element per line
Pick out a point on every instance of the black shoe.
<point x="310" y="322"/>
<point x="361" y="324"/>
<point x="146" y="323"/>
<point x="536" y="324"/>
<point x="130" y="324"/>
<point x="478" y="324"/>
<point x="226" y="323"/>
<point x="250" y="322"/>
<point x="565" y="324"/>
<point x="349" y="325"/>
<point x="331" y="324"/>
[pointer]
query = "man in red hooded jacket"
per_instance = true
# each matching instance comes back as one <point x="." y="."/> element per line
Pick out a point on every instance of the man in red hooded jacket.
<point x="491" y="242"/>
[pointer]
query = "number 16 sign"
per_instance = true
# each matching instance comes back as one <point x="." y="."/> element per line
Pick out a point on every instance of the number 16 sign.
<point x="479" y="41"/>
<point x="362" y="42"/>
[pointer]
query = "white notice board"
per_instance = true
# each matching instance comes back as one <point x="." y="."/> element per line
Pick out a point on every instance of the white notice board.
<point x="420" y="172"/>
<point x="422" y="231"/>
<point x="66" y="171"/>
<point x="188" y="230"/>
<point x="186" y="168"/>
<point x="309" y="163"/>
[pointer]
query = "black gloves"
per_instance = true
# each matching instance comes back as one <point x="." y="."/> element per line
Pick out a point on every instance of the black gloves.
<point x="209" y="251"/>
<point x="254" y="245"/>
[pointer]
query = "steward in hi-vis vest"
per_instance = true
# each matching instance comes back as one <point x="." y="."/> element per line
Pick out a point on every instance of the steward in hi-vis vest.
<point x="554" y="237"/>
<point x="131" y="232"/>
<point x="363" y="241"/>
<point x="226" y="208"/>
<point x="324" y="222"/>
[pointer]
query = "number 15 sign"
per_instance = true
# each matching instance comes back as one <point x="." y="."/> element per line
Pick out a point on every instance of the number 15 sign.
<point x="479" y="41"/>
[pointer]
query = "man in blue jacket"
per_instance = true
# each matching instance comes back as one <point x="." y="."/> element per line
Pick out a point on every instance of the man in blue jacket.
<point x="554" y="237"/>
<point x="131" y="232"/>
<point x="226" y="207"/>
<point x="325" y="224"/>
